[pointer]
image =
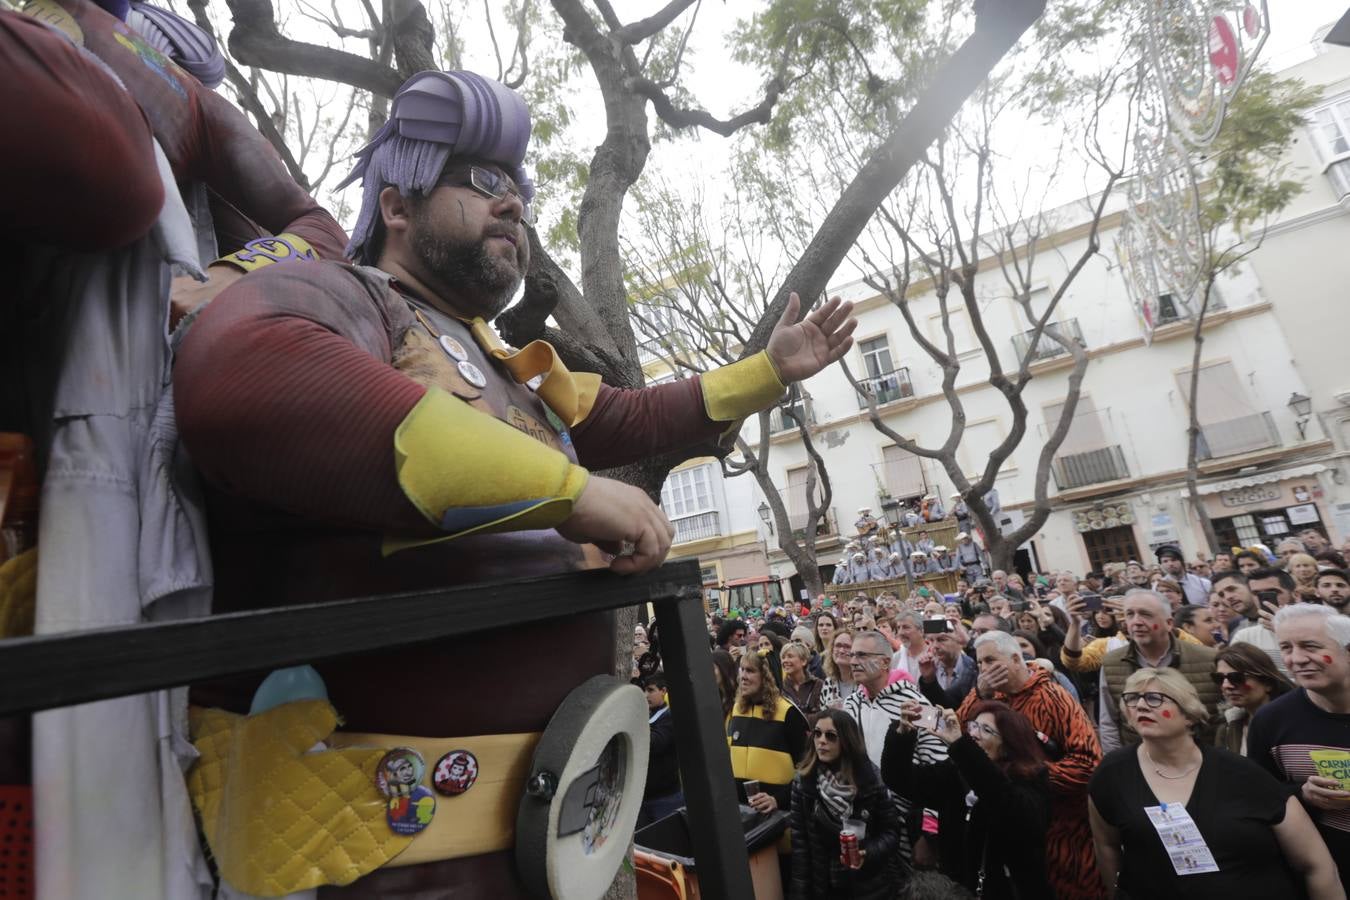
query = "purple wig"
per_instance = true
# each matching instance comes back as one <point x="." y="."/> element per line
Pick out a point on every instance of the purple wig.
<point x="436" y="116"/>
<point x="192" y="48"/>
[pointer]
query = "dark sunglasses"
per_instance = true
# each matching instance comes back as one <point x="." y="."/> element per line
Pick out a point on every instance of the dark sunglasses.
<point x="1236" y="679"/>
<point x="830" y="736"/>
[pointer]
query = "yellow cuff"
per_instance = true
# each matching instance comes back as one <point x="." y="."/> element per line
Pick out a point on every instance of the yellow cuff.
<point x="742" y="388"/>
<point x="469" y="473"/>
<point x="261" y="252"/>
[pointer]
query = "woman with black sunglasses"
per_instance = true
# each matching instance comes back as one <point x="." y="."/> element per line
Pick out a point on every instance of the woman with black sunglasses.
<point x="1176" y="820"/>
<point x="1248" y="681"/>
<point x="835" y="789"/>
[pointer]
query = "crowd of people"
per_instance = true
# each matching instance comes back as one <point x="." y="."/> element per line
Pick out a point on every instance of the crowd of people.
<point x="1147" y="731"/>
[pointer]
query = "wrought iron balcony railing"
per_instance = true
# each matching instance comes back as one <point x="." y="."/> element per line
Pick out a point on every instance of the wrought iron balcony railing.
<point x="697" y="527"/>
<point x="1047" y="347"/>
<point x="886" y="387"/>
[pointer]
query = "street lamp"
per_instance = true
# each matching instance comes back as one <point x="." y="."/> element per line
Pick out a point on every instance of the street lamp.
<point x="764" y="515"/>
<point x="1302" y="407"/>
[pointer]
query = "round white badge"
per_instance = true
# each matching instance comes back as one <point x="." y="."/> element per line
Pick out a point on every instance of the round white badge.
<point x="472" y="374"/>
<point x="453" y="348"/>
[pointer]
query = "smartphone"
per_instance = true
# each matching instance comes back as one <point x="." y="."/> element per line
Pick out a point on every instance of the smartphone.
<point x="928" y="718"/>
<point x="1020" y="605"/>
<point x="936" y="626"/>
<point x="751" y="788"/>
<point x="1268" y="596"/>
<point x="1091" y="602"/>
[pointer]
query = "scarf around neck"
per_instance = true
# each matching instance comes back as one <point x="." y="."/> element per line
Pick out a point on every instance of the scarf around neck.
<point x="836" y="794"/>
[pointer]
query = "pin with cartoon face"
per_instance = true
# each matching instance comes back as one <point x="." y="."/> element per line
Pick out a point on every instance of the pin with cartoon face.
<point x="399" y="772"/>
<point x="455" y="772"/>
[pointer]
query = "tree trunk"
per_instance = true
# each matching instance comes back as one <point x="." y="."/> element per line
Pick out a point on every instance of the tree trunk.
<point x="1193" y="432"/>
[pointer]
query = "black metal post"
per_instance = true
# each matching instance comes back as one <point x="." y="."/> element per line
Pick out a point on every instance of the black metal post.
<point x="705" y="762"/>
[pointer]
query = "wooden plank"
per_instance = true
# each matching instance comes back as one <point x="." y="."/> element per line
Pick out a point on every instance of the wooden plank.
<point x="705" y="762"/>
<point x="66" y="669"/>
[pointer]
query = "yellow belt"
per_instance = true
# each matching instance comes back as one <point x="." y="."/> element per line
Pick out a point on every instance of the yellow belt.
<point x="483" y="818"/>
<point x="288" y="804"/>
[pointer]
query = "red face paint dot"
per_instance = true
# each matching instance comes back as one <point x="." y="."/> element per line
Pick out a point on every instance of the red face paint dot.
<point x="1326" y="659"/>
<point x="1154" y="627"/>
<point x="1167" y="714"/>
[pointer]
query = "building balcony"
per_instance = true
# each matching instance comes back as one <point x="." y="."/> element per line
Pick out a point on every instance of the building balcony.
<point x="1047" y="347"/>
<point x="828" y="524"/>
<point x="778" y="422"/>
<point x="698" y="527"/>
<point x="886" y="387"/>
<point x="1245" y="434"/>
<point x="1075" y="470"/>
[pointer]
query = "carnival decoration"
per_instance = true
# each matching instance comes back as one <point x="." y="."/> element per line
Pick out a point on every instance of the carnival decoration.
<point x="1197" y="53"/>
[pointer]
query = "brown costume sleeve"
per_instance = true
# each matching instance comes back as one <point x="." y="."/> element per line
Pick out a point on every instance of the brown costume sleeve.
<point x="205" y="138"/>
<point x="628" y="425"/>
<point x="285" y="396"/>
<point x="80" y="168"/>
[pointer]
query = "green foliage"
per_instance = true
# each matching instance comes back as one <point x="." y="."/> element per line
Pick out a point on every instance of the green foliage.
<point x="1249" y="180"/>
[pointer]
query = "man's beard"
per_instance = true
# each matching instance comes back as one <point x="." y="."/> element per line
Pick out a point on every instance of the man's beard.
<point x="468" y="267"/>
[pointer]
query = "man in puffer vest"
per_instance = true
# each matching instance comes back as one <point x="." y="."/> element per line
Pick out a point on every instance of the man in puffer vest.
<point x="1148" y="624"/>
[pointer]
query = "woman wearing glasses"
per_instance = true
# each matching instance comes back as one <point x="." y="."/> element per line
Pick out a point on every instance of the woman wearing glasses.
<point x="839" y="683"/>
<point x="993" y="799"/>
<point x="1248" y="680"/>
<point x="1173" y="819"/>
<point x="836" y="786"/>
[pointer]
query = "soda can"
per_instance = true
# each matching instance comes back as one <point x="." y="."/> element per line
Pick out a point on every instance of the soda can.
<point x="848" y="849"/>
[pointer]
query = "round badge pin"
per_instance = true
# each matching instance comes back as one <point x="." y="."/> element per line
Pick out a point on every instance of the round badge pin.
<point x="455" y="773"/>
<point x="453" y="348"/>
<point x="472" y="374"/>
<point x="409" y="815"/>
<point x="533" y="383"/>
<point x="400" y="772"/>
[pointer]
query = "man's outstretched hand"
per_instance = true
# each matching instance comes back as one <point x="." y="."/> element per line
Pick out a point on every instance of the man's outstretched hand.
<point x="609" y="513"/>
<point x="802" y="349"/>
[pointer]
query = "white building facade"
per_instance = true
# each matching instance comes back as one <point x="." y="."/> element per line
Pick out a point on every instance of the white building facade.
<point x="1274" y="334"/>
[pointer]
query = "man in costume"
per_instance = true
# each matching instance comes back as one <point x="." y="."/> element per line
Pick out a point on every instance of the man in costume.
<point x="125" y="145"/>
<point x="375" y="436"/>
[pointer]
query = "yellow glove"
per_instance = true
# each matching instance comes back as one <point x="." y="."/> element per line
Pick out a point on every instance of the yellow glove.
<point x="278" y="817"/>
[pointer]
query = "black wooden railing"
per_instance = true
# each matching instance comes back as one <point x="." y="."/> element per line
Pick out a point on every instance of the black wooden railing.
<point x="39" y="673"/>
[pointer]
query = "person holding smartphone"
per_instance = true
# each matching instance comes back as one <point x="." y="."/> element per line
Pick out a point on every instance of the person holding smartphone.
<point x="1273" y="589"/>
<point x="993" y="801"/>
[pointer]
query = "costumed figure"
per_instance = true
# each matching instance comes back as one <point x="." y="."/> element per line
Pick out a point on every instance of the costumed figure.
<point x="931" y="509"/>
<point x="878" y="566"/>
<point x="943" y="559"/>
<point x="961" y="512"/>
<point x="123" y="170"/>
<point x="970" y="557"/>
<point x="866" y="522"/>
<point x="924" y="544"/>
<point x="841" y="571"/>
<point x="922" y="564"/>
<point x="375" y="436"/>
<point x="912" y="515"/>
<point x="857" y="568"/>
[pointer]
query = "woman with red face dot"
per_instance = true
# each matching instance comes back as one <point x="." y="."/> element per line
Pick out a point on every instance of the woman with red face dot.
<point x="1168" y="821"/>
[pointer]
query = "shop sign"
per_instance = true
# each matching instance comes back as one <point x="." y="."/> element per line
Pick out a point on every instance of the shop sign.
<point x="1257" y="493"/>
<point x="1274" y="525"/>
<point x="1302" y="515"/>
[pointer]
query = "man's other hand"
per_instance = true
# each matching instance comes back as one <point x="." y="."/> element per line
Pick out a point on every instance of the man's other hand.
<point x="611" y="514"/>
<point x="802" y="349"/>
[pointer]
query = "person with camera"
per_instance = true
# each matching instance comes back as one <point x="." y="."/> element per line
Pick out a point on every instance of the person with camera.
<point x="993" y="802"/>
<point x="1075" y="752"/>
<point x="1272" y="590"/>
<point x="946" y="674"/>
